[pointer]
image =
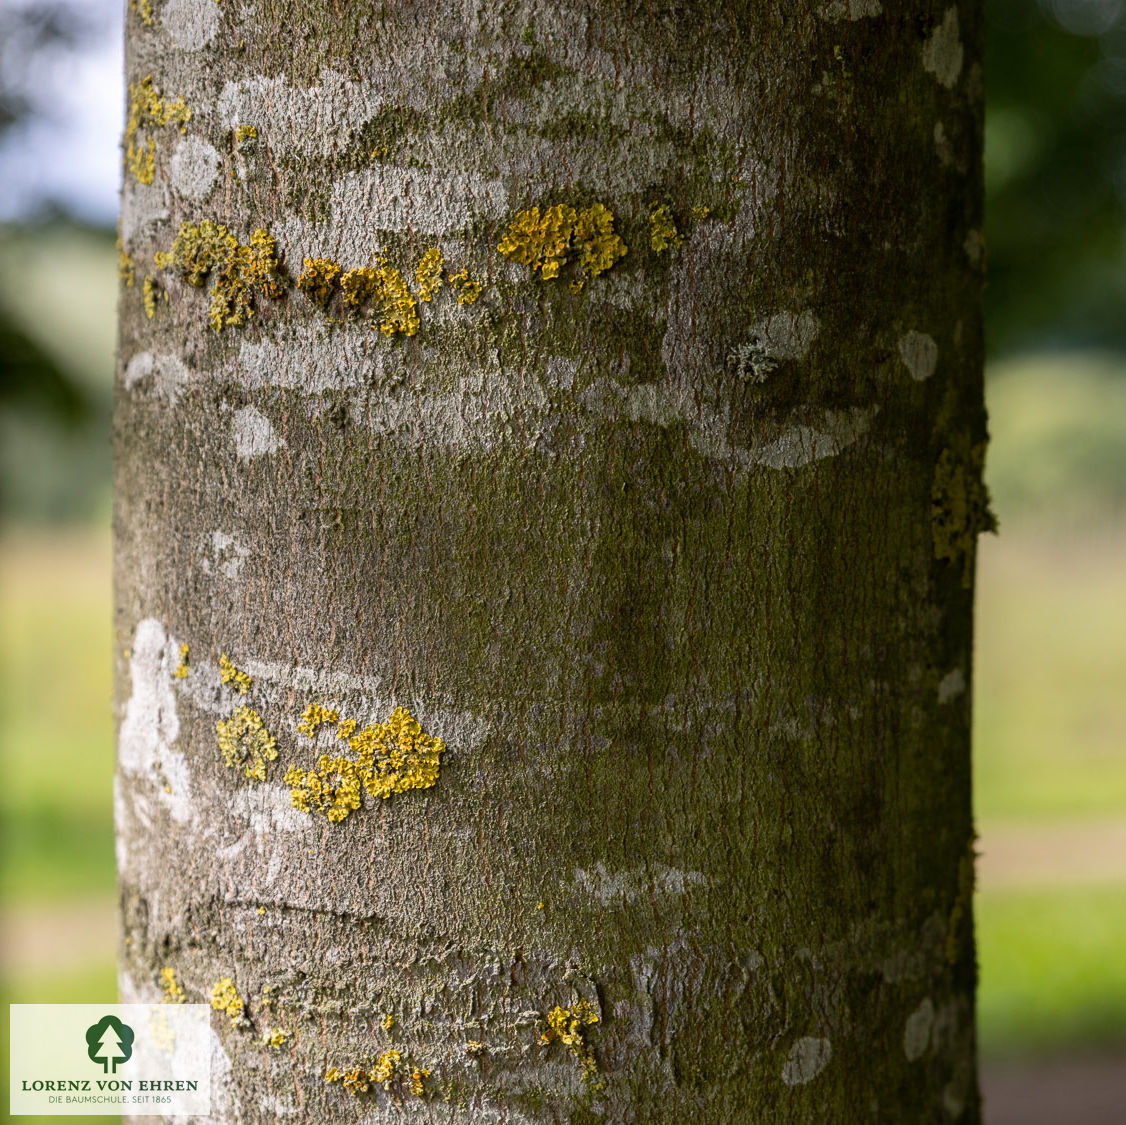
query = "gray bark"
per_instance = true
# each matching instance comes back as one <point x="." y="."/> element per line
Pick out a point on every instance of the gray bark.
<point x="673" y="552"/>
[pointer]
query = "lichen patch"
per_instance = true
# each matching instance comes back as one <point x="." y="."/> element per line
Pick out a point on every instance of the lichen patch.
<point x="808" y="1057"/>
<point x="391" y="757"/>
<point x="919" y="354"/>
<point x="942" y="51"/>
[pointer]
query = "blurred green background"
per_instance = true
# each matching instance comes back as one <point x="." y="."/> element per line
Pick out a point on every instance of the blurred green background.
<point x="1050" y="704"/>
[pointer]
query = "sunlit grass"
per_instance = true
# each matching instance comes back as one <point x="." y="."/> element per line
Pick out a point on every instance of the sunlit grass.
<point x="56" y="804"/>
<point x="1053" y="973"/>
<point x="1049" y="705"/>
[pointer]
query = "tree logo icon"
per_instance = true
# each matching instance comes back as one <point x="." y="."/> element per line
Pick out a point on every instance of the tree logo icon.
<point x="109" y="1042"/>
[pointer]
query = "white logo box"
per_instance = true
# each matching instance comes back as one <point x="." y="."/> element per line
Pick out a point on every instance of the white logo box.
<point x="136" y="1059"/>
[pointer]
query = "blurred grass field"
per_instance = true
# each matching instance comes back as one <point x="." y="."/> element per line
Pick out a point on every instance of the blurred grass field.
<point x="1050" y="720"/>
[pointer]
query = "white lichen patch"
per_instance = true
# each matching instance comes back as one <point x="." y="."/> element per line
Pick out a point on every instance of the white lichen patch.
<point x="224" y="554"/>
<point x="942" y="52"/>
<point x="190" y="24"/>
<point x="917" y="1031"/>
<point x="849" y="9"/>
<point x="807" y="439"/>
<point x="309" y="359"/>
<point x="942" y="145"/>
<point x="387" y="198"/>
<point x="151" y="724"/>
<point x="267" y="808"/>
<point x="919" y="353"/>
<point x="484" y="409"/>
<point x="974" y="247"/>
<point x="951" y="685"/>
<point x="143" y="206"/>
<point x="194" y="168"/>
<point x="772" y="340"/>
<point x="808" y="1057"/>
<point x="273" y="1106"/>
<point x="164" y="375"/>
<point x="319" y="119"/>
<point x="804" y="444"/>
<point x="610" y="887"/>
<point x="204" y="687"/>
<point x="254" y="434"/>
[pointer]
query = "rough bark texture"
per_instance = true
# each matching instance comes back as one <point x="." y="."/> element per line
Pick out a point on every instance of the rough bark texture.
<point x="675" y="556"/>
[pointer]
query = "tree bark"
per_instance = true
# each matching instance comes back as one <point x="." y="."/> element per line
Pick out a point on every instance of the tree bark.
<point x="667" y="535"/>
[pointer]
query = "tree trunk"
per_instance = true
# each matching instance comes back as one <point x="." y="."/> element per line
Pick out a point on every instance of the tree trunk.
<point x="549" y="444"/>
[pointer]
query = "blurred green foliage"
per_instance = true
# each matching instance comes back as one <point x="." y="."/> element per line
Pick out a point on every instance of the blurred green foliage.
<point x="58" y="295"/>
<point x="1055" y="165"/>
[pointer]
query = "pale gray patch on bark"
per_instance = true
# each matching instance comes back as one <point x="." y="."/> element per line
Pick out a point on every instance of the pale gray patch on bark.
<point x="808" y="1057"/>
<point x="190" y="24"/>
<point x="943" y="52"/>
<point x="194" y="167"/>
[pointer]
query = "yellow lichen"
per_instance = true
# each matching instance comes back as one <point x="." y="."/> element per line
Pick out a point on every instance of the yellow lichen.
<point x="391" y="757"/>
<point x="314" y="715"/>
<point x="148" y="110"/>
<point x="429" y="274"/>
<point x="388" y="1021"/>
<point x="225" y="998"/>
<point x="407" y="757"/>
<point x="385" y="1071"/>
<point x="245" y="743"/>
<point x="346" y="728"/>
<point x="385" y="1067"/>
<point x="229" y="674"/>
<point x="246" y="133"/>
<point x="466" y="288"/>
<point x="173" y="993"/>
<point x="663" y="234"/>
<point x="148" y="292"/>
<point x="356" y="1080"/>
<point x="318" y="279"/>
<point x="395" y="308"/>
<point x="547" y="241"/>
<point x="599" y="247"/>
<point x="143" y="8"/>
<point x="960" y="506"/>
<point x="566" y="1025"/>
<point x="243" y="271"/>
<point x="333" y="787"/>
<point x="358" y="285"/>
<point x="275" y="1037"/>
<point x="182" y="668"/>
<point x="540" y="241"/>
<point x="126" y="267"/>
